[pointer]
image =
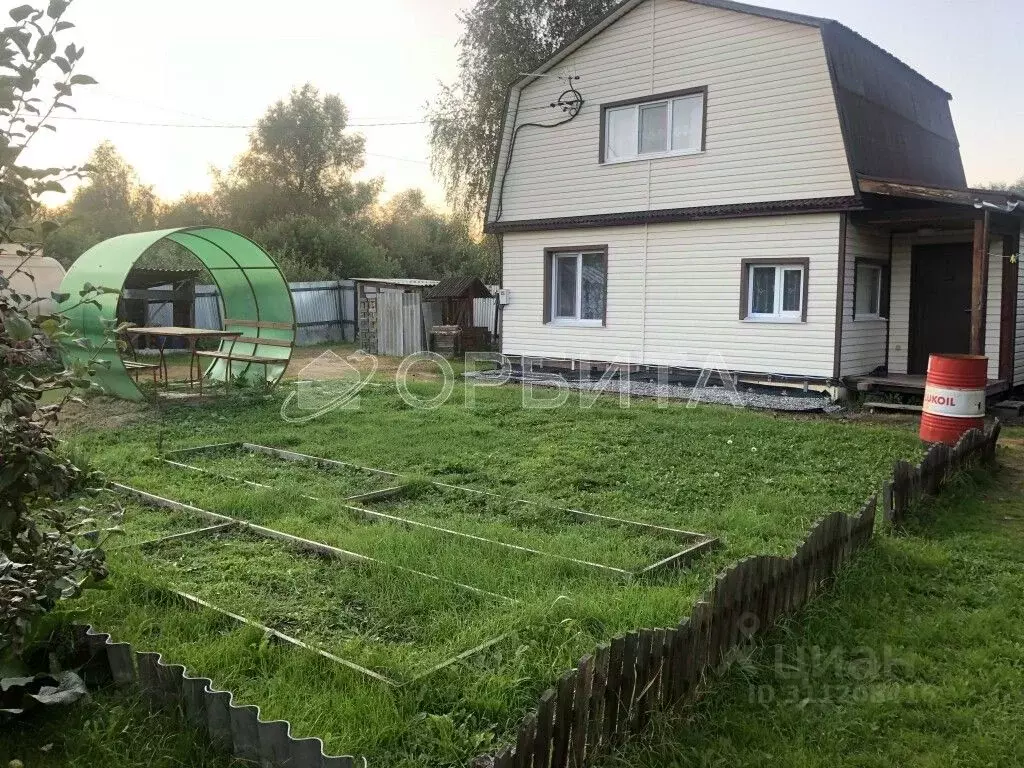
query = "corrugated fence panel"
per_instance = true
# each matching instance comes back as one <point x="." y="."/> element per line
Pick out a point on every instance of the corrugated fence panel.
<point x="483" y="313"/>
<point x="319" y="311"/>
<point x="412" y="324"/>
<point x="207" y="307"/>
<point x="324" y="311"/>
<point x="160" y="312"/>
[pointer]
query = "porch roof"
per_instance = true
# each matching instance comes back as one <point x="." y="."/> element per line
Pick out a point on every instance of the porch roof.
<point x="900" y="204"/>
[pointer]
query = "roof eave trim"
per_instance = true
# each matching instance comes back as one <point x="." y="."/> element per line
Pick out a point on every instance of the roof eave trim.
<point x="674" y="215"/>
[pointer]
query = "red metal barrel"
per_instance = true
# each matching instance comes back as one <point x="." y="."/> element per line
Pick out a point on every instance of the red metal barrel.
<point x="954" y="397"/>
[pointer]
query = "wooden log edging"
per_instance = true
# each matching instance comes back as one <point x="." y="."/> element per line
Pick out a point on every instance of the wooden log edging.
<point x="910" y="484"/>
<point x="228" y="727"/>
<point x="613" y="691"/>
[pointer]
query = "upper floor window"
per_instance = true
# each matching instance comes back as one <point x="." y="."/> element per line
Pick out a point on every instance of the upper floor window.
<point x="655" y="126"/>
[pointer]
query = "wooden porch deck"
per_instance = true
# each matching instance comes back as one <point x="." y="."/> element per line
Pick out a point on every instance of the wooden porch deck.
<point x="912" y="385"/>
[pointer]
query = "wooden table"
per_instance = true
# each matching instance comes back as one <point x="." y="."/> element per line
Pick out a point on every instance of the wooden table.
<point x="191" y="337"/>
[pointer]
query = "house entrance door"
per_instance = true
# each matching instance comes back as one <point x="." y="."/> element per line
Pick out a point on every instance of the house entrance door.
<point x="940" y="303"/>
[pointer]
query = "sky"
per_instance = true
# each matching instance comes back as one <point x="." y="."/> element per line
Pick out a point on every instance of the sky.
<point x="217" y="62"/>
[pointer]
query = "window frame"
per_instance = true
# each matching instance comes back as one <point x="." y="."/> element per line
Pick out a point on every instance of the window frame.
<point x="883" y="289"/>
<point x="550" y="297"/>
<point x="643" y="101"/>
<point x="780" y="265"/>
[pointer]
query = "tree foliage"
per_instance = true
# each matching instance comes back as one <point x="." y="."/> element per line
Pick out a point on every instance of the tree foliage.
<point x="113" y="202"/>
<point x="44" y="552"/>
<point x="293" y="191"/>
<point x="300" y="161"/>
<point x="501" y="41"/>
<point x="1006" y="186"/>
<point x="425" y="244"/>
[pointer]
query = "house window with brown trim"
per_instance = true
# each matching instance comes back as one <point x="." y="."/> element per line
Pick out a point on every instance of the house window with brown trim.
<point x="663" y="125"/>
<point x="870" y="290"/>
<point x="774" y="290"/>
<point x="576" y="286"/>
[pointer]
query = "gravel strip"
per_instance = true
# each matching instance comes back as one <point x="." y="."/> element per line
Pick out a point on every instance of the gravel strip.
<point x="709" y="394"/>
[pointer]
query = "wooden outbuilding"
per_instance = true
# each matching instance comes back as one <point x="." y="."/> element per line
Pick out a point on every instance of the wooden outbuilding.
<point x="457" y="333"/>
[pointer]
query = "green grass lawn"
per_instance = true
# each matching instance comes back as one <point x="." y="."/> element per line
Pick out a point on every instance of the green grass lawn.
<point x="112" y="729"/>
<point x="755" y="480"/>
<point x="915" y="658"/>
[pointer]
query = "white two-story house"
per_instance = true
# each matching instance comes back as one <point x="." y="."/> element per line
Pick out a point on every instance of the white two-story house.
<point x="695" y="178"/>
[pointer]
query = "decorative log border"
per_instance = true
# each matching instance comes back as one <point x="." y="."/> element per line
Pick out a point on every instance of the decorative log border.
<point x="614" y="689"/>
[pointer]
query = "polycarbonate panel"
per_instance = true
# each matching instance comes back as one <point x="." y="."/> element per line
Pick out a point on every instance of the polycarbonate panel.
<point x="257" y="293"/>
<point x="244" y="251"/>
<point x="275" y="300"/>
<point x="213" y="258"/>
<point x="237" y="296"/>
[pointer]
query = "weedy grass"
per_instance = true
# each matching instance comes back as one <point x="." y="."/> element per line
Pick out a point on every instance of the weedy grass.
<point x="111" y="728"/>
<point x="754" y="480"/>
<point x="913" y="659"/>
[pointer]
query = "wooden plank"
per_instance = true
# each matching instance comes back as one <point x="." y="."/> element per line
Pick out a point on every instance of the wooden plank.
<point x="644" y="676"/>
<point x="682" y="558"/>
<point x="564" y="717"/>
<point x="680" y="652"/>
<point x="979" y="283"/>
<point x="873" y="406"/>
<point x="627" y="681"/>
<point x="523" y="757"/>
<point x="580" y="727"/>
<point x="595" y="726"/>
<point x="613" y="690"/>
<point x="545" y="722"/>
<point x="660" y="669"/>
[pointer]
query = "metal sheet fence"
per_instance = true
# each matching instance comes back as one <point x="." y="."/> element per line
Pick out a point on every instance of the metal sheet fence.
<point x="325" y="310"/>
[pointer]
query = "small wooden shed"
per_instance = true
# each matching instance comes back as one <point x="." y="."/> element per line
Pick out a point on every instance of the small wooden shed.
<point x="457" y="332"/>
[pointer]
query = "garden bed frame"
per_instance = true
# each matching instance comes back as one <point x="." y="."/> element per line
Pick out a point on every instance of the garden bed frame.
<point x="696" y="543"/>
<point x="226" y="523"/>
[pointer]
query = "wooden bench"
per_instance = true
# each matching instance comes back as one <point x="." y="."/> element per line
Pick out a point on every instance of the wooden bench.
<point x="231" y="356"/>
<point x="134" y="367"/>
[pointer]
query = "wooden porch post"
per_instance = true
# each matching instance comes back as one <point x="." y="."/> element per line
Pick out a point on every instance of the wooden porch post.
<point x="979" y="284"/>
<point x="1008" y="310"/>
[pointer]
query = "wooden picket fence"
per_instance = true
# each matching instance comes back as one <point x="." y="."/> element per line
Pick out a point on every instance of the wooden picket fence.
<point x="910" y="483"/>
<point x="613" y="691"/>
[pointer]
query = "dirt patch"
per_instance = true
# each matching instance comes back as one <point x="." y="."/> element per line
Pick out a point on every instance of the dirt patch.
<point x="387" y="367"/>
<point x="101" y="413"/>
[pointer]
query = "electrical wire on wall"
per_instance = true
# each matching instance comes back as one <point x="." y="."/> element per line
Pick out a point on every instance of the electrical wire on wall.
<point x="570" y="102"/>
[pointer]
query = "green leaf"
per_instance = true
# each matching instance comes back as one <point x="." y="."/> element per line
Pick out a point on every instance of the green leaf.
<point x="46" y="46"/>
<point x="62" y="25"/>
<point x="60" y="298"/>
<point x="56" y="8"/>
<point x="21" y="12"/>
<point x="83" y="80"/>
<point x="17" y="327"/>
<point x="63" y="63"/>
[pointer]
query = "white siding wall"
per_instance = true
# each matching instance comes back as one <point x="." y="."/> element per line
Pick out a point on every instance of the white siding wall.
<point x="772" y="126"/>
<point x="863" y="347"/>
<point x="1018" y="358"/>
<point x="684" y="306"/>
<point x="993" y="315"/>
<point x="899" y="329"/>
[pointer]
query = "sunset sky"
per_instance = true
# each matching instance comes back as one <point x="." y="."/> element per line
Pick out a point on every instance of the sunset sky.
<point x="223" y="62"/>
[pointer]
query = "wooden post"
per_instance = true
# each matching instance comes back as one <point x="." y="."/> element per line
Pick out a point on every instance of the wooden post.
<point x="1008" y="309"/>
<point x="979" y="284"/>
